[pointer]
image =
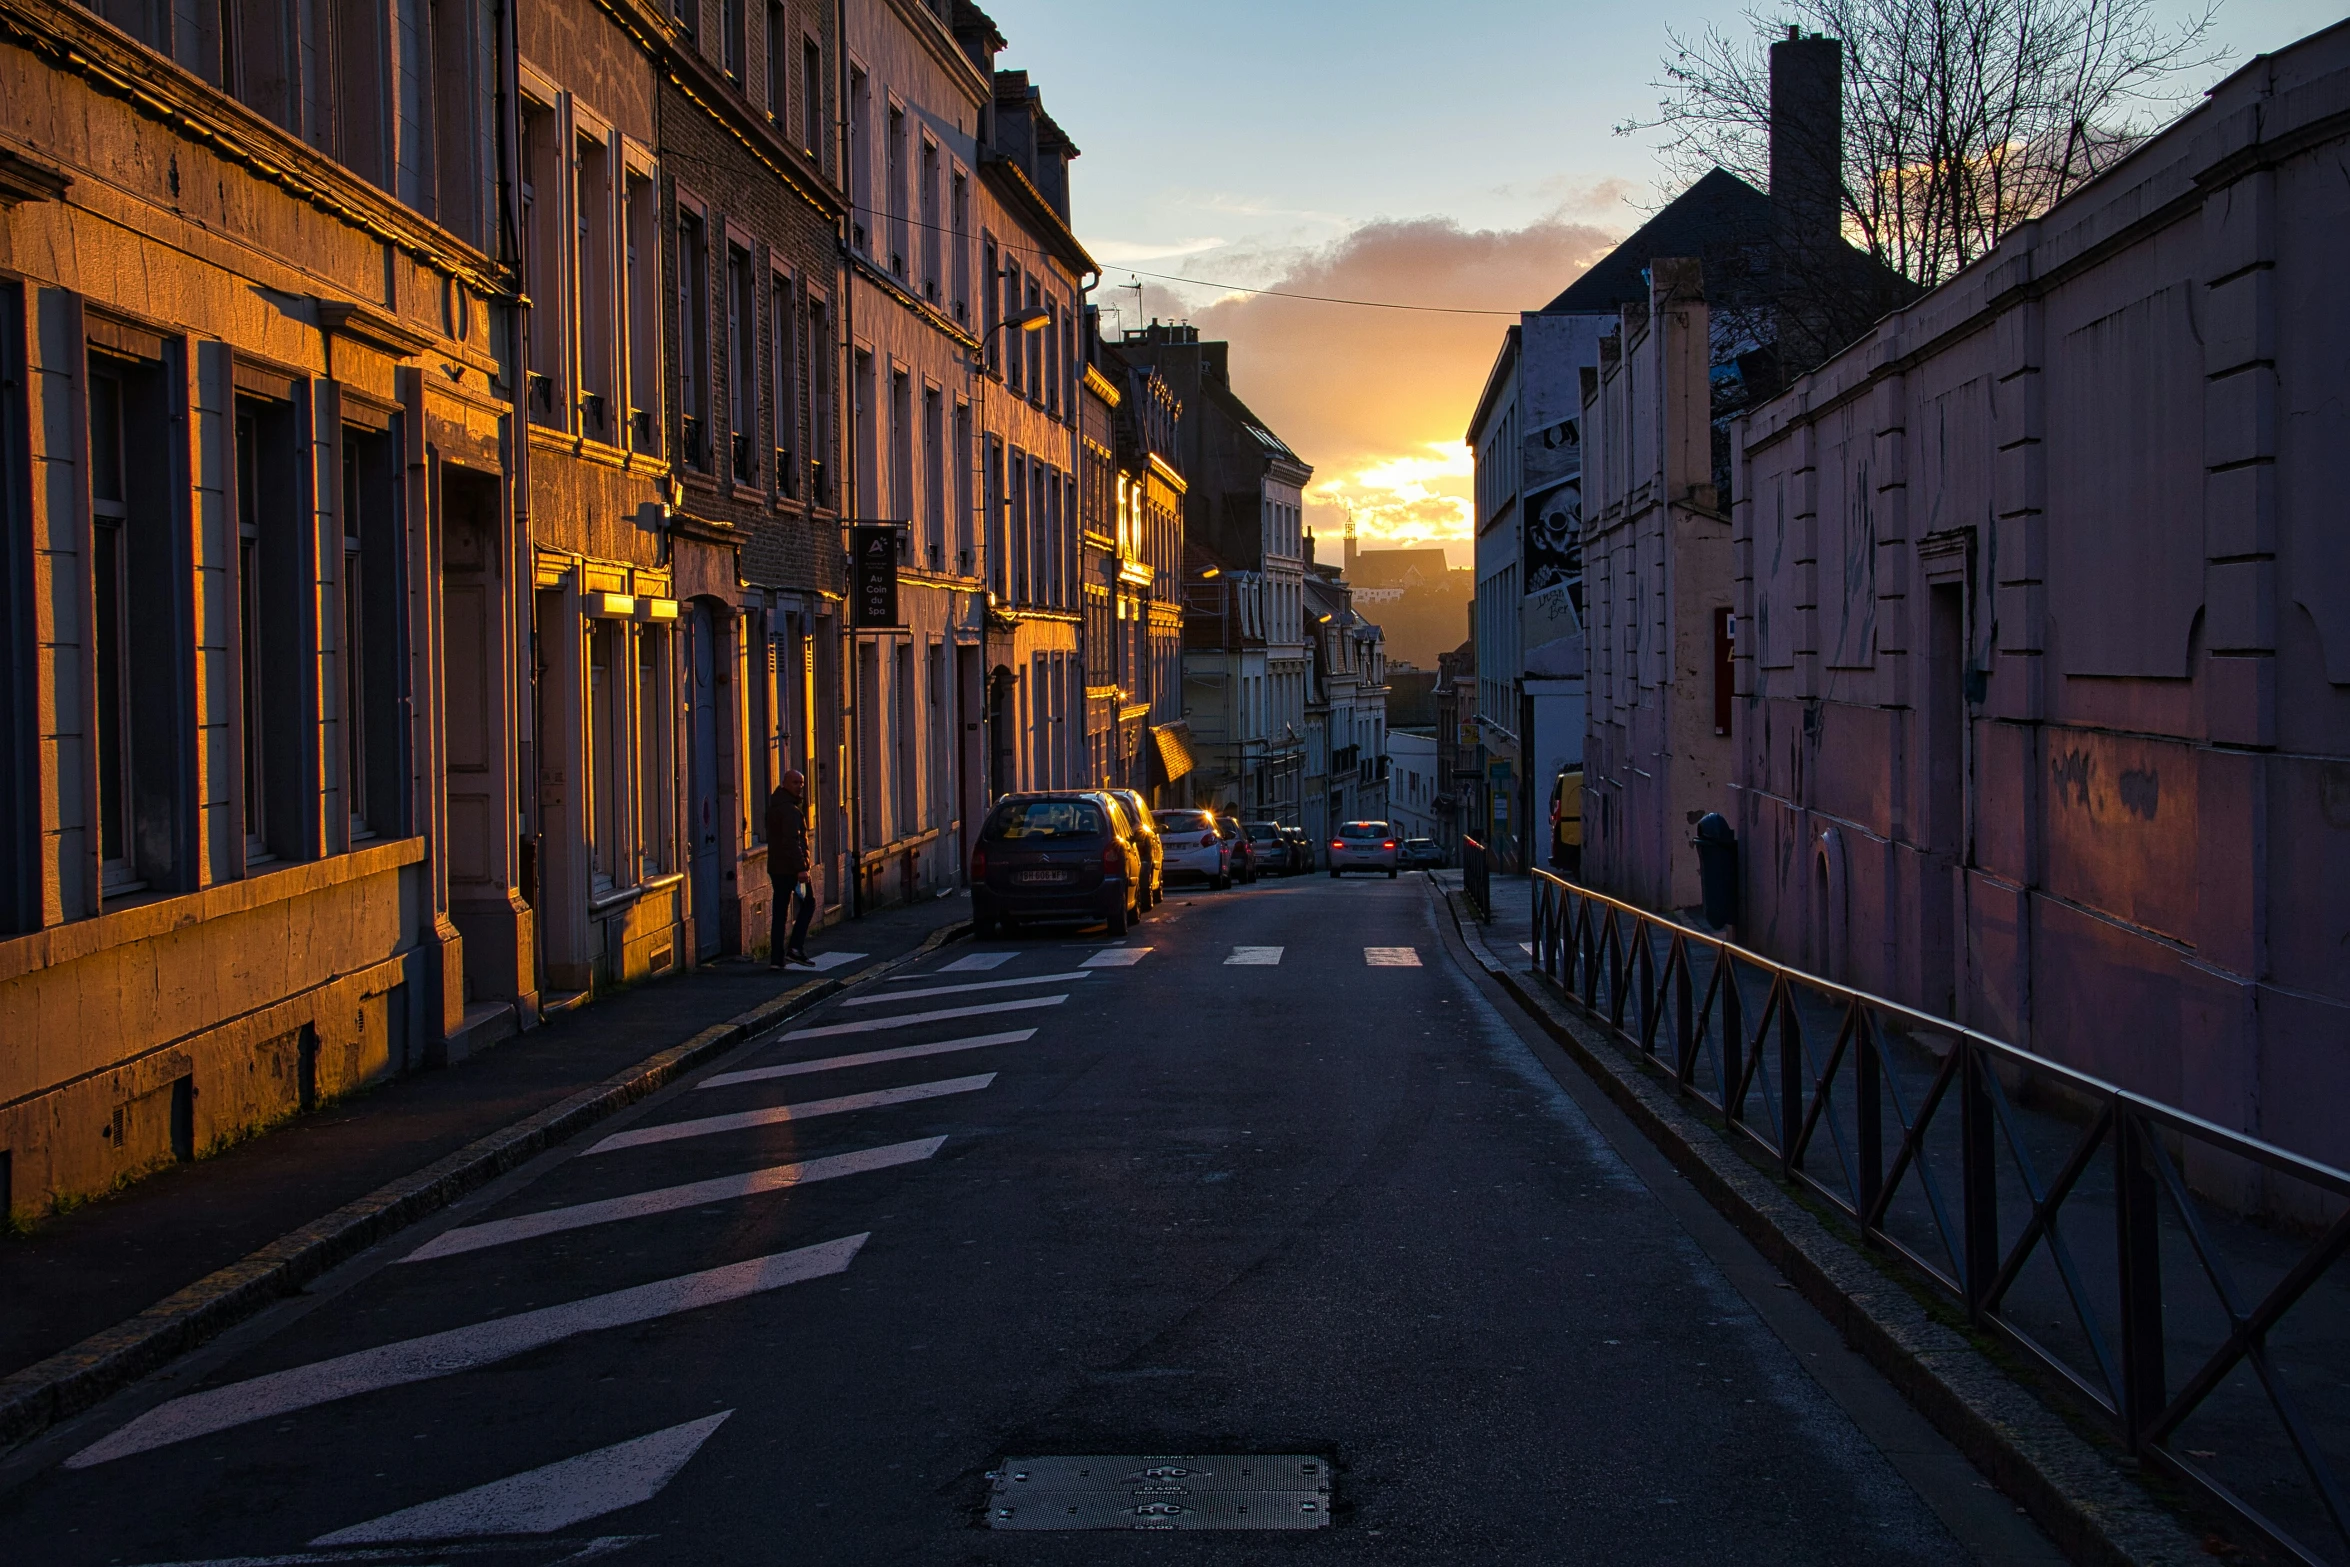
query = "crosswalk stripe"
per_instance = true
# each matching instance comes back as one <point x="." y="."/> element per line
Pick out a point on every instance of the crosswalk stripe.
<point x="825" y="962"/>
<point x="761" y="1074"/>
<point x="458" y="1349"/>
<point x="671" y="1131"/>
<point x="667" y="1199"/>
<point x="1116" y="957"/>
<point x="977" y="962"/>
<point x="1392" y="957"/>
<point x="1254" y="957"/>
<point x="543" y="1500"/>
<point x="909" y="1019"/>
<point x="895" y="996"/>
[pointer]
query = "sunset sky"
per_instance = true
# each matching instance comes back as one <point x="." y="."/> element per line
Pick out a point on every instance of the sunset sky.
<point x="1458" y="155"/>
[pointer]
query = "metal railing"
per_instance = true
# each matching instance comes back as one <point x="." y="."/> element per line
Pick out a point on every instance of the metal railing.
<point x="2181" y="1278"/>
<point x="1477" y="876"/>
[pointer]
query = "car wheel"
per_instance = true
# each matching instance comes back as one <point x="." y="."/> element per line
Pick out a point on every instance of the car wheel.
<point x="1391" y="873"/>
<point x="1117" y="920"/>
<point x="1219" y="883"/>
<point x="1334" y="873"/>
<point x="983" y="925"/>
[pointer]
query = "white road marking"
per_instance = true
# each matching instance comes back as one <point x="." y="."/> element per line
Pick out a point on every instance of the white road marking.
<point x="776" y="1116"/>
<point x="458" y="1349"/>
<point x="1116" y="957"/>
<point x="895" y="996"/>
<point x="1527" y="947"/>
<point x="826" y="962"/>
<point x="543" y="1500"/>
<point x="909" y="1019"/>
<point x="1392" y="957"/>
<point x="977" y="962"/>
<point x="1254" y="957"/>
<point x="667" y="1199"/>
<point x="760" y="1074"/>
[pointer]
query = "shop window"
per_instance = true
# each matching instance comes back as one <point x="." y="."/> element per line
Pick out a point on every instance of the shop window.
<point x="607" y="728"/>
<point x="655" y="770"/>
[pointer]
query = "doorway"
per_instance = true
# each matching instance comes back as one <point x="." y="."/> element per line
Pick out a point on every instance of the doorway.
<point x="707" y="686"/>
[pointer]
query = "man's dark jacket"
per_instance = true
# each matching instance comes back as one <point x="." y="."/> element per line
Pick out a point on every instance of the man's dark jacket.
<point x="787" y="840"/>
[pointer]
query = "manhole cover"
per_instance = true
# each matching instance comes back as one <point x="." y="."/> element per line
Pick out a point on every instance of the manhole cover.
<point x="1146" y="1491"/>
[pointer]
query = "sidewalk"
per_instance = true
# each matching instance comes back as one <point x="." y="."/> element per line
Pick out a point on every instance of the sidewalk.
<point x="86" y="1272"/>
<point x="2072" y="1486"/>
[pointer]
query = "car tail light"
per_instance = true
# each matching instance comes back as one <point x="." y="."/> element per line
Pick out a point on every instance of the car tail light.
<point x="1335" y="844"/>
<point x="1389" y="844"/>
<point x="1208" y="841"/>
<point x="979" y="862"/>
<point x="1113" y="858"/>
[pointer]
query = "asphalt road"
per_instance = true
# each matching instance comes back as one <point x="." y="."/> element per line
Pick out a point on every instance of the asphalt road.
<point x="1328" y="1202"/>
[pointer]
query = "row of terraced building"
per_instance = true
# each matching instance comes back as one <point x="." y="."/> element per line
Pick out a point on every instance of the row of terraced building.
<point x="428" y="435"/>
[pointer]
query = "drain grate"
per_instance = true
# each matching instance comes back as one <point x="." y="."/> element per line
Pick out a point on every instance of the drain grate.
<point x="1143" y="1491"/>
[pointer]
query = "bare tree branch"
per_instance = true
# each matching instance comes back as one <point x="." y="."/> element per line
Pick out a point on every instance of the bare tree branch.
<point x="1963" y="118"/>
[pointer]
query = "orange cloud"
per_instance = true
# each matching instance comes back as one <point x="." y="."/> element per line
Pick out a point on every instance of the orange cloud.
<point x="1377" y="400"/>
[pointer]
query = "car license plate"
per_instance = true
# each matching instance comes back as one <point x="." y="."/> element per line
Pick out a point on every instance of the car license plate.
<point x="1037" y="878"/>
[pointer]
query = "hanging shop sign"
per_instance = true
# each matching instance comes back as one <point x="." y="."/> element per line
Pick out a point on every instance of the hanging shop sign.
<point x="873" y="575"/>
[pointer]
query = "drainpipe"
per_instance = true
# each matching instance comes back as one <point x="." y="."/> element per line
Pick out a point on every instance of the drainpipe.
<point x="507" y="106"/>
<point x="852" y="488"/>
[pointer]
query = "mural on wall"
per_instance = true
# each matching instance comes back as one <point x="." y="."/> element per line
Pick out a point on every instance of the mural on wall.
<point x="1554" y="509"/>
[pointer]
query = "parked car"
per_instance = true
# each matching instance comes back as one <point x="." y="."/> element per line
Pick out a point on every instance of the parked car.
<point x="1270" y="848"/>
<point x="1195" y="850"/>
<point x="1138" y="815"/>
<point x="1244" y="853"/>
<point x="1363" y="846"/>
<point x="1420" y="854"/>
<point x="1055" y="856"/>
<point x="1301" y="848"/>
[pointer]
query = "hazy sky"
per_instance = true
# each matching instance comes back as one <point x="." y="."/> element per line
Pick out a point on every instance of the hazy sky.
<point x="1455" y="153"/>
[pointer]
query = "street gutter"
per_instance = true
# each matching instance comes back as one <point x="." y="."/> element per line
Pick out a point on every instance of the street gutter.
<point x="72" y="1380"/>
<point x="2089" y="1508"/>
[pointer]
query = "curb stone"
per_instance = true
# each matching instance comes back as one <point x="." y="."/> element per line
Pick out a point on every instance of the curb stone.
<point x="48" y="1391"/>
<point x="2089" y="1509"/>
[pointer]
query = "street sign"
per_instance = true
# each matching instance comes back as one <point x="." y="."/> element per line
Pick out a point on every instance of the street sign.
<point x="873" y="575"/>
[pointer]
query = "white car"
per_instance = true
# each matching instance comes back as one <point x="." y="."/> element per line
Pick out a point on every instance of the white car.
<point x="1363" y="846"/>
<point x="1195" y="850"/>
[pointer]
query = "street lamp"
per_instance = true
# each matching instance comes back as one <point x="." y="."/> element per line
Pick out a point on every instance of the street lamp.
<point x="1031" y="318"/>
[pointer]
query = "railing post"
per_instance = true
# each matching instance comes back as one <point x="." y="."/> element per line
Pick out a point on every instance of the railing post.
<point x="1978" y="1175"/>
<point x="1791" y="1097"/>
<point x="1644" y="965"/>
<point x="1733" y="1042"/>
<point x="1867" y="1108"/>
<point x="2138" y="1252"/>
<point x="1684" y="1026"/>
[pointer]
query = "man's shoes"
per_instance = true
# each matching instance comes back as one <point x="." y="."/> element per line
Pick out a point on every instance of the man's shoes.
<point x="801" y="959"/>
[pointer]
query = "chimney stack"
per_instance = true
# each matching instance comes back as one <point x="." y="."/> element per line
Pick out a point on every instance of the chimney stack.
<point x="1807" y="192"/>
<point x="1807" y="142"/>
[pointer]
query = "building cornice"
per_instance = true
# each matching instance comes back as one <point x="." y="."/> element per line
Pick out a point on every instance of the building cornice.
<point x="707" y="89"/>
<point x="75" y="43"/>
<point x="1020" y="192"/>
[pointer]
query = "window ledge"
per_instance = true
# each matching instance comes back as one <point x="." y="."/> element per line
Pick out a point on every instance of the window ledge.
<point x="153" y="917"/>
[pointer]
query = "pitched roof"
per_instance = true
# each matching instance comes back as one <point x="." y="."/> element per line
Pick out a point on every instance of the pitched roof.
<point x="1719" y="210"/>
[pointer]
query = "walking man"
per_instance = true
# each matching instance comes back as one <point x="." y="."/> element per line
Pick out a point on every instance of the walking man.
<point x="787" y="870"/>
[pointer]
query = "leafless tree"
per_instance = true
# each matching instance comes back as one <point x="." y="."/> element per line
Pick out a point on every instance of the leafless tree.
<point x="1962" y="118"/>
